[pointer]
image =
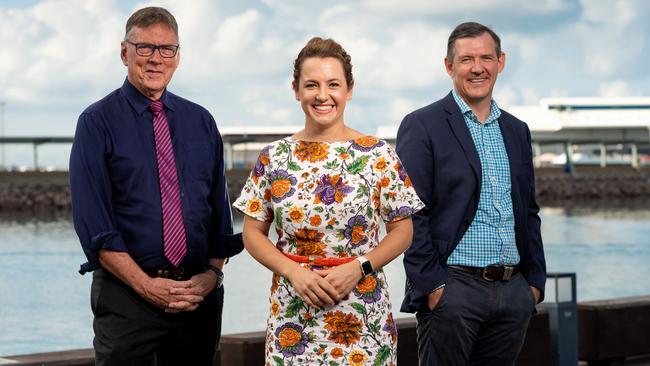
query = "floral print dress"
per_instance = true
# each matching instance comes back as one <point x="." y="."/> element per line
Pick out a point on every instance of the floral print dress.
<point x="328" y="200"/>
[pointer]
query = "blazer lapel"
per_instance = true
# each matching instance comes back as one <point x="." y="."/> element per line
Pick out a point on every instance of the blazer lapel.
<point x="458" y="126"/>
<point x="510" y="140"/>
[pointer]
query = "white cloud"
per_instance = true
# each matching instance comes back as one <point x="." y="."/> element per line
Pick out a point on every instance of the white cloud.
<point x="526" y="46"/>
<point x="400" y="107"/>
<point x="506" y="95"/>
<point x="614" y="37"/>
<point x="236" y="34"/>
<point x="392" y="59"/>
<point x="237" y="50"/>
<point x="331" y="13"/>
<point x="560" y="93"/>
<point x="620" y="13"/>
<point x="236" y="57"/>
<point x="530" y="96"/>
<point x="342" y="23"/>
<point x="273" y="104"/>
<point x="615" y="88"/>
<point x="56" y="53"/>
<point x="451" y="7"/>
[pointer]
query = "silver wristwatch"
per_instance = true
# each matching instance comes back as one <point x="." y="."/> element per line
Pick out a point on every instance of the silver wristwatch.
<point x="219" y="274"/>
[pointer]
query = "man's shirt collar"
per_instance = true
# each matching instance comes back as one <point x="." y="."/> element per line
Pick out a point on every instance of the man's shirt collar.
<point x="139" y="102"/>
<point x="495" y="111"/>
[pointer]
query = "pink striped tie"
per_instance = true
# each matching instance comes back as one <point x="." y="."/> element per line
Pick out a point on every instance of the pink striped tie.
<point x="172" y="207"/>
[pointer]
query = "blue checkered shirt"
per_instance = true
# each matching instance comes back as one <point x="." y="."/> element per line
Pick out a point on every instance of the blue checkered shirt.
<point x="490" y="239"/>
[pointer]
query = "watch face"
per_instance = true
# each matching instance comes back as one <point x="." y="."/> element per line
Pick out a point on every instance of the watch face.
<point x="367" y="267"/>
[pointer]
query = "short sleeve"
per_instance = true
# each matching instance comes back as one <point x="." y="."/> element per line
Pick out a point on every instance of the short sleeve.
<point x="255" y="197"/>
<point x="398" y="198"/>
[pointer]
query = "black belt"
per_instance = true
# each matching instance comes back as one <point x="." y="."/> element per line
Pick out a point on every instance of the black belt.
<point x="491" y="273"/>
<point x="174" y="273"/>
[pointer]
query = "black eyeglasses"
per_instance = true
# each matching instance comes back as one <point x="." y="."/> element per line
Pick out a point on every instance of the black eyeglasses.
<point x="147" y="49"/>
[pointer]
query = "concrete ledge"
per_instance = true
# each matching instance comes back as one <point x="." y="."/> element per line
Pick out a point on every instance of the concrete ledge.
<point x="247" y="349"/>
<point x="242" y="349"/>
<point x="78" y="357"/>
<point x="612" y="330"/>
<point x="537" y="345"/>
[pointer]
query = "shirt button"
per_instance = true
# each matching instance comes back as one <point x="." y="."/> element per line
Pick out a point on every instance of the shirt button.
<point x="493" y="179"/>
<point x="182" y="194"/>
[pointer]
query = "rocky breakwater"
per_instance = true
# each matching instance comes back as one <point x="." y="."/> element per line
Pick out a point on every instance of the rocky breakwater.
<point x="34" y="190"/>
<point x="585" y="183"/>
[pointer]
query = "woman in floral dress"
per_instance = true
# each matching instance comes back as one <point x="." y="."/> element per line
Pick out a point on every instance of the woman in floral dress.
<point x="327" y="189"/>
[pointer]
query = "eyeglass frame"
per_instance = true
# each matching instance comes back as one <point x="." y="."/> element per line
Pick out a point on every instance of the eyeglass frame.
<point x="153" y="48"/>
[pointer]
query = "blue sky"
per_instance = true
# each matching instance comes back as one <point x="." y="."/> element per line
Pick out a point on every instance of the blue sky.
<point x="58" y="56"/>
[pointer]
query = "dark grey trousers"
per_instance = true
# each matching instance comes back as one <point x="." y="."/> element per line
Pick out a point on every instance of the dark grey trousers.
<point x="476" y="322"/>
<point x="131" y="331"/>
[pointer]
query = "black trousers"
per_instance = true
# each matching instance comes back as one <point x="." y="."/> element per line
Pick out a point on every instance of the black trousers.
<point x="131" y="331"/>
<point x="476" y="322"/>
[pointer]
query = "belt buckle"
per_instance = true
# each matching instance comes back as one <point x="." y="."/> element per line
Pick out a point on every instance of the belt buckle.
<point x="177" y="273"/>
<point x="172" y="274"/>
<point x="312" y="260"/>
<point x="484" y="274"/>
<point x="507" y="273"/>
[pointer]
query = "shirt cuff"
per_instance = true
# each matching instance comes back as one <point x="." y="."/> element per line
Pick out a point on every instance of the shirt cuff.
<point x="437" y="288"/>
<point x="110" y="240"/>
<point x="226" y="246"/>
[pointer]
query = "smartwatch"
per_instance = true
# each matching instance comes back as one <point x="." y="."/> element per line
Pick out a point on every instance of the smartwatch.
<point x="218" y="272"/>
<point x="366" y="266"/>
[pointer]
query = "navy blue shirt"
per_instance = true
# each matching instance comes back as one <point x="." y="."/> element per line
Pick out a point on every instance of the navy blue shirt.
<point x="114" y="181"/>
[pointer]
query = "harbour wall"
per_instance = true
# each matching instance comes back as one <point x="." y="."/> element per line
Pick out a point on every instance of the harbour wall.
<point x="38" y="191"/>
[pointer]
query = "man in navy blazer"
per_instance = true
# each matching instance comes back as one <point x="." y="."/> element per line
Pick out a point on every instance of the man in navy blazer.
<point x="476" y="267"/>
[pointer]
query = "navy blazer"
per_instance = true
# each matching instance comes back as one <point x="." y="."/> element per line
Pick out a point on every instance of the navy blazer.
<point x="439" y="155"/>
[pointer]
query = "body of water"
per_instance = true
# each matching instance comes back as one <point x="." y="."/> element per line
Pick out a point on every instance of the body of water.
<point x="44" y="302"/>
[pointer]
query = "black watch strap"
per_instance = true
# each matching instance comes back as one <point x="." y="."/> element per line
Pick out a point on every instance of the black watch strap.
<point x="218" y="272"/>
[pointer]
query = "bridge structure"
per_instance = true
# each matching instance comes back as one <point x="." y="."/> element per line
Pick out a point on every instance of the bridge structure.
<point x="566" y="122"/>
<point x="590" y="121"/>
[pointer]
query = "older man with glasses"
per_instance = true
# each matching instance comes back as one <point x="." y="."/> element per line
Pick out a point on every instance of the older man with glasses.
<point x="151" y="209"/>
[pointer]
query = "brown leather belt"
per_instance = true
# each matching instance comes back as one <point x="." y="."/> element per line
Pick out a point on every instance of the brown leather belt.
<point x="174" y="273"/>
<point x="491" y="273"/>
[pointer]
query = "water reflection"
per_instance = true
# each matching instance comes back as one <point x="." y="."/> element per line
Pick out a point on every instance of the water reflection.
<point x="637" y="209"/>
<point x="45" y="301"/>
<point x="47" y="214"/>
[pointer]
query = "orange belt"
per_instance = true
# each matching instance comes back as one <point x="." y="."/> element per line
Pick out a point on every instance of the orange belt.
<point x="319" y="261"/>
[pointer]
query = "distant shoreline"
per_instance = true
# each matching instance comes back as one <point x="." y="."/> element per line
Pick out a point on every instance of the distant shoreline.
<point x="34" y="192"/>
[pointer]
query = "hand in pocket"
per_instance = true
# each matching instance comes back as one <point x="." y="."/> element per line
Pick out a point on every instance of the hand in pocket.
<point x="434" y="298"/>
